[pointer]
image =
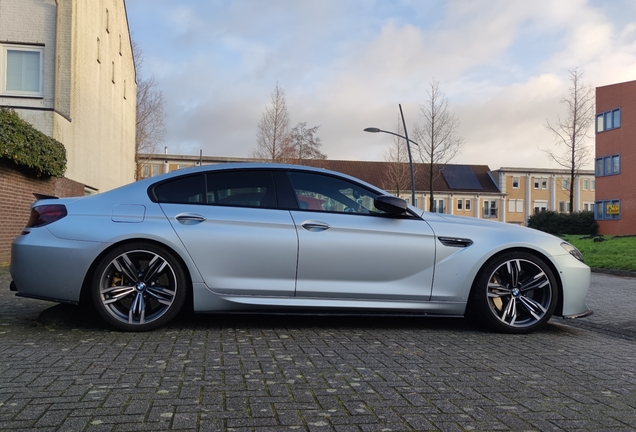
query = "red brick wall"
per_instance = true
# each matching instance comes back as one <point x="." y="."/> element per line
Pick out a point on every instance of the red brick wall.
<point x="16" y="197"/>
<point x="620" y="141"/>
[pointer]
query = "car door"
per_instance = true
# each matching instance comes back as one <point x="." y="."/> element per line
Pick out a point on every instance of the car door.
<point x="231" y="226"/>
<point x="350" y="249"/>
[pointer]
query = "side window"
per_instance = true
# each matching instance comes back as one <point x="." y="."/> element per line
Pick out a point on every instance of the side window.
<point x="320" y="192"/>
<point x="182" y="190"/>
<point x="241" y="189"/>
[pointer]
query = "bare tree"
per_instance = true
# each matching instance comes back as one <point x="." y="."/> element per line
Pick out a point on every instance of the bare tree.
<point x="273" y="138"/>
<point x="304" y="144"/>
<point x="571" y="132"/>
<point x="437" y="135"/>
<point x="398" y="175"/>
<point x="150" y="128"/>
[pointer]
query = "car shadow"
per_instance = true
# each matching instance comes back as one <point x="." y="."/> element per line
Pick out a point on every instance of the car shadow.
<point x="86" y="318"/>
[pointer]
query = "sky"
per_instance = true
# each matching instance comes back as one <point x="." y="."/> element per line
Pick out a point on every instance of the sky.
<point x="345" y="65"/>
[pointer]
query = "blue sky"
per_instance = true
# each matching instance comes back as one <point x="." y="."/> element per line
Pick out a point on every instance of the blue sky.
<point x="346" y="64"/>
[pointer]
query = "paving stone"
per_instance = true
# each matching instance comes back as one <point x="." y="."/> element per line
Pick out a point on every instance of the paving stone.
<point x="209" y="373"/>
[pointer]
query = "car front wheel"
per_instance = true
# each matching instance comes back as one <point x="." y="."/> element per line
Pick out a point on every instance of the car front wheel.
<point x="515" y="293"/>
<point x="139" y="287"/>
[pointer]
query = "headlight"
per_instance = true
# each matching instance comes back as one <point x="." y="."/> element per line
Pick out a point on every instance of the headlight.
<point x="572" y="251"/>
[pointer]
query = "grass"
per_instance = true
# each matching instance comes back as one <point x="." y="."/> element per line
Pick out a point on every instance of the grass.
<point x="615" y="253"/>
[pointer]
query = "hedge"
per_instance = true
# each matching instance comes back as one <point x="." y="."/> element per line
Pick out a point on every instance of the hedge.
<point x="30" y="148"/>
<point x="564" y="223"/>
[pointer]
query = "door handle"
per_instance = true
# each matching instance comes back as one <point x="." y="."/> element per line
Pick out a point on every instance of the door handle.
<point x="312" y="225"/>
<point x="189" y="218"/>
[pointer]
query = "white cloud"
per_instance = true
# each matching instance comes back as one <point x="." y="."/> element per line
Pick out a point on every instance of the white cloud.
<point x="345" y="65"/>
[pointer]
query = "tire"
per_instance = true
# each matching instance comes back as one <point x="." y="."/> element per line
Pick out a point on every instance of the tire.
<point x="138" y="287"/>
<point x="515" y="293"/>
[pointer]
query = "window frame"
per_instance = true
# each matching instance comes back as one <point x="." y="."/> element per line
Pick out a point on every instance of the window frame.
<point x="605" y="163"/>
<point x="467" y="204"/>
<point x="492" y="209"/>
<point x="602" y="118"/>
<point x="4" y="57"/>
<point x="460" y="204"/>
<point x="604" y="204"/>
<point x="517" y="181"/>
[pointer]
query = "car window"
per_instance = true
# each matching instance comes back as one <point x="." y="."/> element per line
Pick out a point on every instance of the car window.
<point x="241" y="188"/>
<point x="182" y="190"/>
<point x="319" y="192"/>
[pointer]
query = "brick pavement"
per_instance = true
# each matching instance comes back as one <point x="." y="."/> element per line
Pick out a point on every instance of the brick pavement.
<point x="69" y="372"/>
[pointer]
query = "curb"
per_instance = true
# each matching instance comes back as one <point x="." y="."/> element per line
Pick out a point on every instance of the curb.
<point x="621" y="273"/>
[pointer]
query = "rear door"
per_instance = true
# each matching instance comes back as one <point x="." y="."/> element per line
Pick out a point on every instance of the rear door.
<point x="231" y="226"/>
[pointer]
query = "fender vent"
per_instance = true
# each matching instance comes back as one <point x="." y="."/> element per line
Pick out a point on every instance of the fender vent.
<point x="455" y="242"/>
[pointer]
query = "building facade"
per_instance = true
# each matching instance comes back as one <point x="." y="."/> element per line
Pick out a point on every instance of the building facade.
<point x="615" y="208"/>
<point x="530" y="190"/>
<point x="66" y="67"/>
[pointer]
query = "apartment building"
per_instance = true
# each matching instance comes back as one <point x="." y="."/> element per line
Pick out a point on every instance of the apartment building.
<point x="529" y="190"/>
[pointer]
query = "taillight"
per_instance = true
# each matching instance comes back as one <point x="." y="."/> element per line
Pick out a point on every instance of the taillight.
<point x="46" y="214"/>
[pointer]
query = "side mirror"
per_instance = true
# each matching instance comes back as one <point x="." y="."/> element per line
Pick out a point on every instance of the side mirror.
<point x="392" y="205"/>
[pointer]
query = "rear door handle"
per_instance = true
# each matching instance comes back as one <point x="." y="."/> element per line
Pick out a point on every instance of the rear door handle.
<point x="189" y="218"/>
<point x="312" y="225"/>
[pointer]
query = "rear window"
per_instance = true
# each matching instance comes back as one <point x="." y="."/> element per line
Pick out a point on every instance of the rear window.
<point x="182" y="190"/>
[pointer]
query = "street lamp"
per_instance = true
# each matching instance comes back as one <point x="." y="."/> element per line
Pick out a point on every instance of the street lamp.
<point x="408" y="147"/>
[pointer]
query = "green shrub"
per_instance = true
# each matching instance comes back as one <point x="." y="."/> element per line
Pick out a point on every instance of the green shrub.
<point x="564" y="223"/>
<point x="30" y="148"/>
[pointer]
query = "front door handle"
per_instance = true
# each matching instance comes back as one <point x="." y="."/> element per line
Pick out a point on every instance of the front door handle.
<point x="189" y="218"/>
<point x="312" y="225"/>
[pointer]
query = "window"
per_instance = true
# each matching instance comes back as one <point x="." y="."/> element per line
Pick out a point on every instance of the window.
<point x="183" y="190"/>
<point x="22" y="70"/>
<point x="460" y="204"/>
<point x="515" y="182"/>
<point x="564" y="206"/>
<point x="515" y="206"/>
<point x="586" y="184"/>
<point x="490" y="209"/>
<point x="610" y="209"/>
<point x="145" y="171"/>
<point x="540" y="182"/>
<point x="608" y="120"/>
<point x="540" y="206"/>
<point x="438" y="206"/>
<point x="593" y="185"/>
<point x="467" y="204"/>
<point x="608" y="165"/>
<point x="155" y="170"/>
<point x="317" y="192"/>
<point x="241" y="189"/>
<point x="565" y="184"/>
<point x="415" y="202"/>
<point x="588" y="206"/>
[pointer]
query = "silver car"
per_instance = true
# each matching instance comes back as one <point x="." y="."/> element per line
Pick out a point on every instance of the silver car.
<point x="286" y="238"/>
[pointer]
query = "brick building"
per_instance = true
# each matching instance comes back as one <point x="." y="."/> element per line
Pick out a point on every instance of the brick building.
<point x="615" y="207"/>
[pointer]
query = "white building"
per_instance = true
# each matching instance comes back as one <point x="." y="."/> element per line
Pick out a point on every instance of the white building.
<point x="66" y="67"/>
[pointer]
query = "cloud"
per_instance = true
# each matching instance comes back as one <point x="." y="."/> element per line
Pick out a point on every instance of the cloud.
<point x="346" y="65"/>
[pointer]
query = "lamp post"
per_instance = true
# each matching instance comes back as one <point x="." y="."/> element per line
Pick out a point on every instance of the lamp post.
<point x="408" y="147"/>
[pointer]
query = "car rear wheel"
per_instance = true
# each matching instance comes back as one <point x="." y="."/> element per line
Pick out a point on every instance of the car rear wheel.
<point x="139" y="287"/>
<point x="515" y="293"/>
